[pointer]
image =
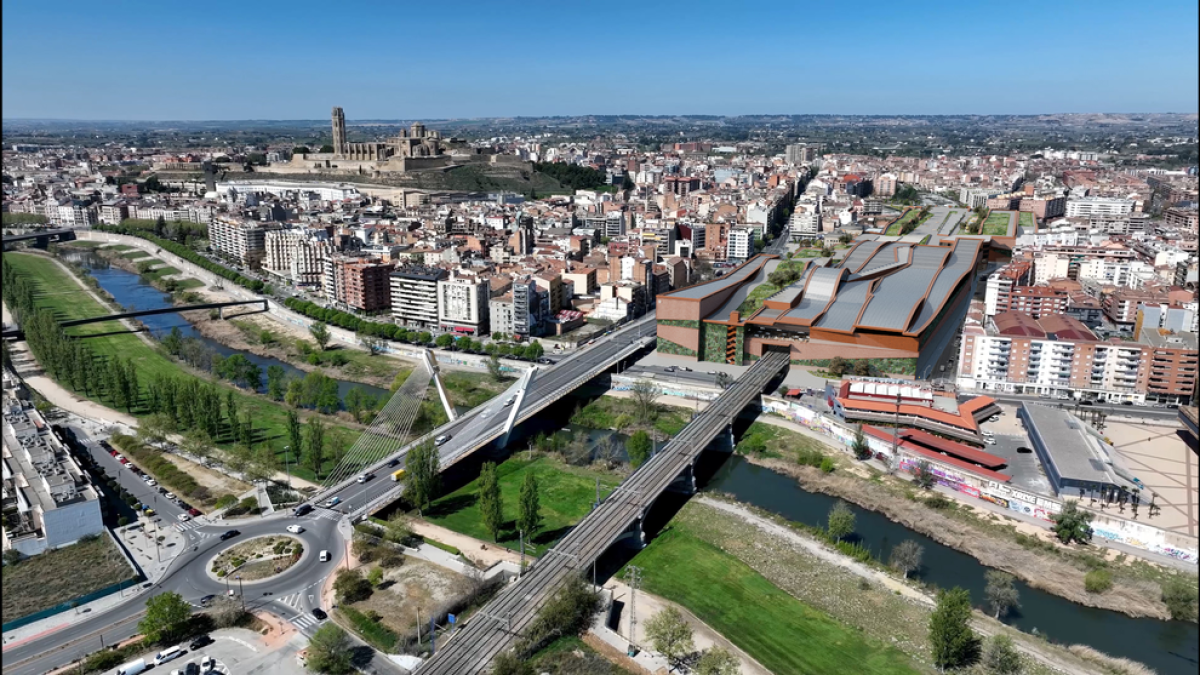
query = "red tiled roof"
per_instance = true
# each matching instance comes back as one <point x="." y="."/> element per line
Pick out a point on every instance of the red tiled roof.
<point x="959" y="450"/>
<point x="934" y="414"/>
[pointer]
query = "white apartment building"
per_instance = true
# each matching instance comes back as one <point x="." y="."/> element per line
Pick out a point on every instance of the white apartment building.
<point x="1086" y="207"/>
<point x="463" y="304"/>
<point x="71" y="213"/>
<point x="48" y="500"/>
<point x="1050" y="266"/>
<point x="243" y="241"/>
<point x="741" y="243"/>
<point x="297" y="255"/>
<point x="415" y="295"/>
<point x="1114" y="272"/>
<point x="805" y="221"/>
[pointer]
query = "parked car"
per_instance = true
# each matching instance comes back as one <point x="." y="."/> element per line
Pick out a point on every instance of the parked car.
<point x="194" y="512"/>
<point x="183" y="517"/>
<point x="151" y="482"/>
<point x="203" y="640"/>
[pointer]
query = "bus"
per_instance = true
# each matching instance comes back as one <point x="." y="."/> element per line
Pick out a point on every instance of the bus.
<point x="397" y="475"/>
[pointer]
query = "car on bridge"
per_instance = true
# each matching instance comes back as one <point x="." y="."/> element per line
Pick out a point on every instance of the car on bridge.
<point x="441" y="440"/>
<point x="333" y="502"/>
<point x="363" y="477"/>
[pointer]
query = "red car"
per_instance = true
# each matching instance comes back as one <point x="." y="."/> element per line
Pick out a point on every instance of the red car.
<point x="194" y="512"/>
<point x="113" y="453"/>
<point x="125" y="461"/>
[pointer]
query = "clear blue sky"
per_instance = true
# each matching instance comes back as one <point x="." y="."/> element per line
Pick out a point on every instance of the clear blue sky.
<point x="262" y="59"/>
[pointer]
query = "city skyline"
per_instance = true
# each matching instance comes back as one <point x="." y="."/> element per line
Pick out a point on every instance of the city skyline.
<point x="269" y="61"/>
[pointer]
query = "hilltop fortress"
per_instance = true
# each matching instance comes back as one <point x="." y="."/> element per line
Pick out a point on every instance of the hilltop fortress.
<point x="414" y="149"/>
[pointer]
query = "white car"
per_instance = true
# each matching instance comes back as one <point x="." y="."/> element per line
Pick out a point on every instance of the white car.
<point x="183" y="517"/>
<point x="151" y="482"/>
<point x="295" y="529"/>
<point x="484" y="414"/>
<point x="362" y="478"/>
<point x="509" y="401"/>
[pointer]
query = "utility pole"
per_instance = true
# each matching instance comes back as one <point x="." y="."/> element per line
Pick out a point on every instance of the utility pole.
<point x="521" y="533"/>
<point x="418" y="612"/>
<point x="287" y="465"/>
<point x="634" y="575"/>
<point x="241" y="592"/>
<point x="896" y="436"/>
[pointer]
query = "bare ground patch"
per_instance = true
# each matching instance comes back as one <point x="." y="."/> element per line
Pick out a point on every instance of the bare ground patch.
<point x="415" y="586"/>
<point x="217" y="483"/>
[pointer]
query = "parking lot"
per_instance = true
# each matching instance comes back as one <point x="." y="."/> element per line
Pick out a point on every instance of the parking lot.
<point x="237" y="650"/>
<point x="1014" y="446"/>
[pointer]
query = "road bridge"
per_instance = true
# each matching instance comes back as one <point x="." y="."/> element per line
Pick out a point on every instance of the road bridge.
<point x="501" y="621"/>
<point x="20" y="335"/>
<point x="41" y="238"/>
<point x="493" y="420"/>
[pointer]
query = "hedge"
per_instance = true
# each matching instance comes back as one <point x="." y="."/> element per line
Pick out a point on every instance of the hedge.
<point x="336" y="317"/>
<point x="153" y="462"/>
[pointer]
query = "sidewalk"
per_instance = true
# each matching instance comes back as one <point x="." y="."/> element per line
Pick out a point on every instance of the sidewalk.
<point x="52" y="624"/>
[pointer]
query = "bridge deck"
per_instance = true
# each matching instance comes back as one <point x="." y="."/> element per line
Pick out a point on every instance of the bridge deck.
<point x="511" y="612"/>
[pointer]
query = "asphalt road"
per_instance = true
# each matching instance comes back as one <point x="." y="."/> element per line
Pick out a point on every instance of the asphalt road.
<point x="467" y="431"/>
<point x="1112" y="409"/>
<point x="166" y="510"/>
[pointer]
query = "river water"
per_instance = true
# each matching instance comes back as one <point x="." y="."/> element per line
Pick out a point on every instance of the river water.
<point x="1168" y="647"/>
<point x="134" y="293"/>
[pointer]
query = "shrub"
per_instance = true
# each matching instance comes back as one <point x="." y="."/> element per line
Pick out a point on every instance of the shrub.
<point x="1098" y="581"/>
<point x="122" y="521"/>
<point x="937" y="501"/>
<point x="1180" y="598"/>
<point x="369" y="628"/>
<point x="225" y="501"/>
<point x="826" y="465"/>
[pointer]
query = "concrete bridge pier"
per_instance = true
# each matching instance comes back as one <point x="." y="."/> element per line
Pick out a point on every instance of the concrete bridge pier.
<point x="636" y="533"/>
<point x="685" y="483"/>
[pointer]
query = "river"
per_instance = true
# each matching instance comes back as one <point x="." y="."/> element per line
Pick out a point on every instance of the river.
<point x="1169" y="647"/>
<point x="134" y="293"/>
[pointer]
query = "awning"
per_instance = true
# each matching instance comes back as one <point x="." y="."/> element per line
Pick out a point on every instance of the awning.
<point x="795" y="392"/>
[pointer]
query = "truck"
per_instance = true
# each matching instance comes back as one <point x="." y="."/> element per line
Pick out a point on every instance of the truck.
<point x="397" y="475"/>
<point x="132" y="668"/>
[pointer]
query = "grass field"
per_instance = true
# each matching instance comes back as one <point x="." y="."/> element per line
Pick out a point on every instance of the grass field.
<point x="1026" y="220"/>
<point x="784" y="634"/>
<point x="996" y="224"/>
<point x="565" y="494"/>
<point x="269" y="417"/>
<point x="58" y="576"/>
<point x="603" y="412"/>
<point x="772" y="441"/>
<point x="897" y="228"/>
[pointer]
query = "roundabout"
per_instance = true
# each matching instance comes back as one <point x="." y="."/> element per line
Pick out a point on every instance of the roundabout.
<point x="259" y="559"/>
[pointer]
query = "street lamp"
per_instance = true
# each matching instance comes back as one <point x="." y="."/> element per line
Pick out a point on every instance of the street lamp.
<point x="239" y="578"/>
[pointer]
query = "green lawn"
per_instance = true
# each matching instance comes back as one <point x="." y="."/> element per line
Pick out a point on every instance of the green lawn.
<point x="760" y="293"/>
<point x="897" y="227"/>
<point x="996" y="224"/>
<point x="269" y="417"/>
<point x="566" y="494"/>
<point x="1026" y="221"/>
<point x="46" y="580"/>
<point x="772" y="441"/>
<point x="782" y="633"/>
<point x="602" y="413"/>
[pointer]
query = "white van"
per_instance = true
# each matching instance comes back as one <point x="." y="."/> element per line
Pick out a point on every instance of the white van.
<point x="132" y="668"/>
<point x="324" y="557"/>
<point x="168" y="655"/>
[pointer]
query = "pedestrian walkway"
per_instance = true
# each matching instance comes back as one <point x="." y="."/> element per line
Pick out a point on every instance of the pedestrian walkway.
<point x="327" y="514"/>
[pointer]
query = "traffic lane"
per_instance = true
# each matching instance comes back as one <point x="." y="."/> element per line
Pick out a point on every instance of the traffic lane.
<point x="1131" y="410"/>
<point x="83" y="638"/>
<point x="127" y="478"/>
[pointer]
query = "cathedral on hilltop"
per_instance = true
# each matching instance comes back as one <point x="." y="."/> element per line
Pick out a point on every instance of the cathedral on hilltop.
<point x="415" y="142"/>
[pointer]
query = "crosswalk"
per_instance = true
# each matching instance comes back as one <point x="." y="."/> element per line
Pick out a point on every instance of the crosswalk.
<point x="303" y="621"/>
<point x="188" y="525"/>
<point x="326" y="514"/>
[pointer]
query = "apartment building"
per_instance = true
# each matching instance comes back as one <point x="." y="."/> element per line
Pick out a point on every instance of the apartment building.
<point x="1108" y="206"/>
<point x="1059" y="357"/>
<point x="113" y="212"/>
<point x="519" y="312"/>
<point x="240" y="240"/>
<point x="71" y="213"/>
<point x="297" y="255"/>
<point x="1050" y="266"/>
<point x="1037" y="301"/>
<point x="741" y="244"/>
<point x="1183" y="219"/>
<point x="48" y="500"/>
<point x="462" y="304"/>
<point x="1121" y="306"/>
<point x="415" y="292"/>
<point x="362" y="284"/>
<point x="1001" y="283"/>
<point x="805" y="221"/>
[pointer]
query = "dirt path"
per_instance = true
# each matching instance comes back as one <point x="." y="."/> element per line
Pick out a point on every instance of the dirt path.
<point x="479" y="552"/>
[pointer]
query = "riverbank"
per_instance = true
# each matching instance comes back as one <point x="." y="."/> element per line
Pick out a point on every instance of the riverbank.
<point x="112" y="339"/>
<point x="1027" y="551"/>
<point x="1136" y="598"/>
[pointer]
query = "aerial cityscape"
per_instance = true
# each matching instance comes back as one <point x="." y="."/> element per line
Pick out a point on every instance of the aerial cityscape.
<point x="448" y="339"/>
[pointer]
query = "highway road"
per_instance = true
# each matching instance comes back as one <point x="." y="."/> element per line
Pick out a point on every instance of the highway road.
<point x="475" y="428"/>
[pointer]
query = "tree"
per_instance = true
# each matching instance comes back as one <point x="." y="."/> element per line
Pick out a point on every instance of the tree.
<point x="350" y="586"/>
<point x="320" y="333"/>
<point x="951" y="639"/>
<point x="493" y="367"/>
<point x="166" y="617"/>
<point x="315" y="457"/>
<point x="841" y="520"/>
<point x="1001" y="593"/>
<point x="924" y="476"/>
<point x="11" y="557"/>
<point x="862" y="368"/>
<point x="326" y="149"/>
<point x="906" y="556"/>
<point x="640" y="447"/>
<point x="718" y="661"/>
<point x="154" y="429"/>
<point x="645" y="396"/>
<point x="534" y="351"/>
<point x="1072" y="523"/>
<point x="670" y="635"/>
<point x="373" y="344"/>
<point x="444" y="341"/>
<point x="397" y="529"/>
<point x="861" y="450"/>
<point x="375" y="577"/>
<point x="330" y="650"/>
<point x="295" y="437"/>
<point x="424" y="337"/>
<point x="529" y="515"/>
<point x="301" y="150"/>
<point x="491" y="506"/>
<point x="275" y="382"/>
<point x="1000" y="656"/>
<point x="838" y="366"/>
<point x="422" y="480"/>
